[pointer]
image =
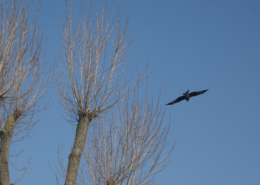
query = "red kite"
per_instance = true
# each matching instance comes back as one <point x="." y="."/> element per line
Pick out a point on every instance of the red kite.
<point x="186" y="96"/>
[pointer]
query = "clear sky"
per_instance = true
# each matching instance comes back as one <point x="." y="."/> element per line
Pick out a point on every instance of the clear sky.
<point x="189" y="44"/>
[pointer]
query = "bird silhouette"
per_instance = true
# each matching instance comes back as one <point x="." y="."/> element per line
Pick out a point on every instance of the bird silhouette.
<point x="186" y="96"/>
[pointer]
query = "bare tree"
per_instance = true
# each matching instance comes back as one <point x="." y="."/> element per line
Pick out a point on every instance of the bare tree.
<point x="92" y="80"/>
<point x="125" y="147"/>
<point x="21" y="70"/>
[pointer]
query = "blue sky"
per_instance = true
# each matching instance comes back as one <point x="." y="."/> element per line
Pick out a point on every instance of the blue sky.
<point x="193" y="45"/>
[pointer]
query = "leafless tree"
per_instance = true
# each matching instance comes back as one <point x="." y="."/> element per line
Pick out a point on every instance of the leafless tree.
<point x="21" y="72"/>
<point x="92" y="85"/>
<point x="92" y="68"/>
<point x="125" y="147"/>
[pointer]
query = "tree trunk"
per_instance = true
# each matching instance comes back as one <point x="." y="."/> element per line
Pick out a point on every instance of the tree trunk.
<point x="76" y="153"/>
<point x="6" y="137"/>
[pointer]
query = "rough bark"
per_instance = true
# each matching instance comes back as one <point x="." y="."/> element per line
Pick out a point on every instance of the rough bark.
<point x="6" y="137"/>
<point x="76" y="153"/>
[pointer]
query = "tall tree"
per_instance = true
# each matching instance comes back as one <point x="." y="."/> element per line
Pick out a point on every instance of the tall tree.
<point x="91" y="88"/>
<point x="21" y="70"/>
<point x="92" y="80"/>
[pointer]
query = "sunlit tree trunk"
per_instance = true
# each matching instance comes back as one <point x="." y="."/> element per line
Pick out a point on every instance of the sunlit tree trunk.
<point x="76" y="153"/>
<point x="6" y="137"/>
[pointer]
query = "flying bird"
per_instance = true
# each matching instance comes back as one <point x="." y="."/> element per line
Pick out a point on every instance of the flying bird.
<point x="186" y="96"/>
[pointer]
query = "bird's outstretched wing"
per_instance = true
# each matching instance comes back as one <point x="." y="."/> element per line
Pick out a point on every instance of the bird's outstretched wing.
<point x="177" y="100"/>
<point x="197" y="93"/>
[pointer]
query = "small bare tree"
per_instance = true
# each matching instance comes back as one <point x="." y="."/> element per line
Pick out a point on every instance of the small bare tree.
<point x="125" y="147"/>
<point x="21" y="70"/>
<point x="92" y="80"/>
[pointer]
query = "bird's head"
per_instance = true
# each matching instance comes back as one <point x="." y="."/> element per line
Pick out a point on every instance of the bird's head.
<point x="185" y="94"/>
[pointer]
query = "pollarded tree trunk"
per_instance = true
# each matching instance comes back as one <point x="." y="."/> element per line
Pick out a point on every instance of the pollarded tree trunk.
<point x="76" y="153"/>
<point x="6" y="137"/>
